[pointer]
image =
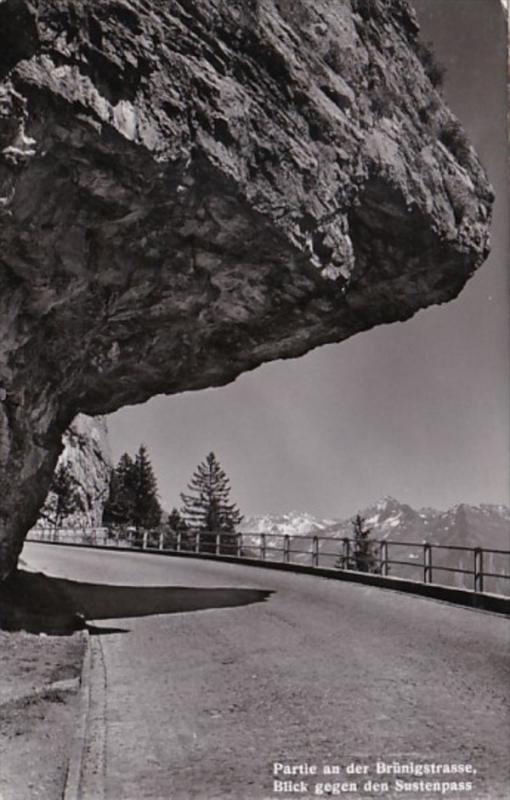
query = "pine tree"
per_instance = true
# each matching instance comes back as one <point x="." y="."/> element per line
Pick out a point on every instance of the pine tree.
<point x="146" y="510"/>
<point x="119" y="508"/>
<point x="176" y="524"/>
<point x="133" y="496"/>
<point x="362" y="557"/>
<point x="207" y="508"/>
<point x="63" y="499"/>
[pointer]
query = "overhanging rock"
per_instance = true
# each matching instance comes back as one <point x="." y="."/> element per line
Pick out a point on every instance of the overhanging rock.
<point x="189" y="189"/>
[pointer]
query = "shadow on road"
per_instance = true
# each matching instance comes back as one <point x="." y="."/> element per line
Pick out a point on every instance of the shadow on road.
<point x="37" y="603"/>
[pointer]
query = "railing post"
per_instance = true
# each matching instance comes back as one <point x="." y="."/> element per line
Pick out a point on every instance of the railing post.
<point x="427" y="563"/>
<point x="263" y="546"/>
<point x="161" y="540"/>
<point x="197" y="542"/>
<point x="178" y="542"/>
<point x="315" y="551"/>
<point x="239" y="544"/>
<point x="117" y="537"/>
<point x="478" y="570"/>
<point x="346" y="553"/>
<point x="384" y="558"/>
<point x="218" y="543"/>
<point x="144" y="540"/>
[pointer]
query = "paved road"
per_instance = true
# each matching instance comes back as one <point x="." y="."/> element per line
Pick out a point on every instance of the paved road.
<point x="200" y="702"/>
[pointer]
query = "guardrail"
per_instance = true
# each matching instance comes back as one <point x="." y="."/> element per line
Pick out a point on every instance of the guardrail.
<point x="474" y="568"/>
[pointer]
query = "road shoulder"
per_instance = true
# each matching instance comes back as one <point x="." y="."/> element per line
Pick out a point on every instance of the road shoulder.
<point x="39" y="683"/>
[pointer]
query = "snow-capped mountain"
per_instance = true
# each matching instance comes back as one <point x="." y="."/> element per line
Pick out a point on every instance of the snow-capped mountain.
<point x="405" y="530"/>
<point x="294" y="523"/>
<point x="463" y="525"/>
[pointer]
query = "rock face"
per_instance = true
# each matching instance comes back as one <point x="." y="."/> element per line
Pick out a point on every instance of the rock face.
<point x="190" y="189"/>
<point x="87" y="454"/>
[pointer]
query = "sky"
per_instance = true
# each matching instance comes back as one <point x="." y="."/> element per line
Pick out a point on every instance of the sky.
<point x="416" y="410"/>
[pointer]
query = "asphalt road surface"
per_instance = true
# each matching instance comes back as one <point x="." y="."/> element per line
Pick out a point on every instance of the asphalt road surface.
<point x="215" y="681"/>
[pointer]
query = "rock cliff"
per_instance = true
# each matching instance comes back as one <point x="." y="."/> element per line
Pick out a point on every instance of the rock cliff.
<point x="189" y="189"/>
<point x="87" y="455"/>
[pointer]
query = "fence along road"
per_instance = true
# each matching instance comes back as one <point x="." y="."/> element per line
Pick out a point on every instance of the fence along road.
<point x="202" y="700"/>
<point x="483" y="574"/>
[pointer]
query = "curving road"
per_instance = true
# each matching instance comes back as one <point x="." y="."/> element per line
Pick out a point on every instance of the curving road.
<point x="200" y="700"/>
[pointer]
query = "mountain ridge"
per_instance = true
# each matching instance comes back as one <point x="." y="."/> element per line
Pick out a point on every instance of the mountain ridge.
<point x="303" y="522"/>
<point x="453" y="534"/>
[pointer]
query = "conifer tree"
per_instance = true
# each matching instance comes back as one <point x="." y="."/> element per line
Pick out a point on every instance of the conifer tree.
<point x="207" y="507"/>
<point x="176" y="521"/>
<point x="133" y="496"/>
<point x="63" y="499"/>
<point x="362" y="556"/>
<point x="176" y="524"/>
<point x="119" y="507"/>
<point x="146" y="508"/>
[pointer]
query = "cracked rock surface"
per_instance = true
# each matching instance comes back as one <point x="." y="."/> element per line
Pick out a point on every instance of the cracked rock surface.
<point x="190" y="189"/>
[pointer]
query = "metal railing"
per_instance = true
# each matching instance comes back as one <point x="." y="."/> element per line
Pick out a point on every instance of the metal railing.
<point x="475" y="568"/>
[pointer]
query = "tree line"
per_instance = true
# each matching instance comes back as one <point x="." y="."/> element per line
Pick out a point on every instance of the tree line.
<point x="205" y="507"/>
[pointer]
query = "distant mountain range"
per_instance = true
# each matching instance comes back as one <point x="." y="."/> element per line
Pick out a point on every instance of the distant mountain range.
<point x="293" y="523"/>
<point x="486" y="526"/>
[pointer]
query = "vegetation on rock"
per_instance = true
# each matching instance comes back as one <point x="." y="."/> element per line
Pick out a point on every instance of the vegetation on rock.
<point x="434" y="70"/>
<point x="453" y="137"/>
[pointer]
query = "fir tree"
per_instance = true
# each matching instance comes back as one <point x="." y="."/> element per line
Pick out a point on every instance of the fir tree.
<point x="207" y="508"/>
<point x="362" y="556"/>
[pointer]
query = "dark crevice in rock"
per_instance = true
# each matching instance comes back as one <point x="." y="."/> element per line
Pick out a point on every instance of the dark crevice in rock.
<point x="19" y="37"/>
